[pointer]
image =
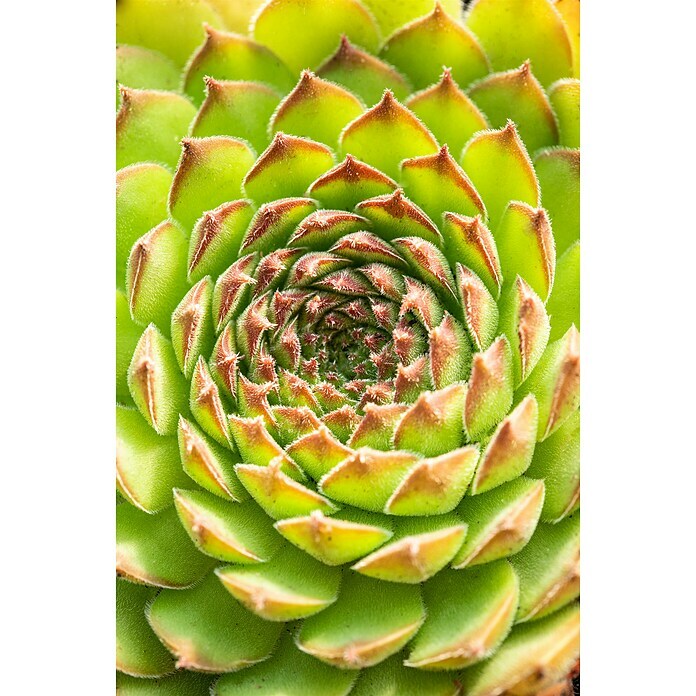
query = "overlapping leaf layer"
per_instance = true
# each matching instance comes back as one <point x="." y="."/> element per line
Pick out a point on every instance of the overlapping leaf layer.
<point x="348" y="352"/>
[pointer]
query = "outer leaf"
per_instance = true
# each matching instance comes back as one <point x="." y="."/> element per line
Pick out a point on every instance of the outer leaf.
<point x="316" y="109"/>
<point x="290" y="586"/>
<point x="518" y="96"/>
<point x="501" y="522"/>
<point x="195" y="625"/>
<point x="172" y="30"/>
<point x="448" y="112"/>
<point x="534" y="657"/>
<point x="469" y="615"/>
<point x="155" y="383"/>
<point x="149" y="126"/>
<point x="210" y="172"/>
<point x="363" y="74"/>
<point x="237" y="108"/>
<point x="354" y="633"/>
<point x="544" y="40"/>
<point x="180" y="684"/>
<point x="156" y="275"/>
<point x="142" y="68"/>
<point x="155" y="550"/>
<point x="390" y="677"/>
<point x="226" y="56"/>
<point x="386" y="134"/>
<point x="499" y="167"/>
<point x="549" y="569"/>
<point x="391" y="16"/>
<point x="147" y="465"/>
<point x="138" y="651"/>
<point x="564" y="303"/>
<point x="303" y="33"/>
<point x="565" y="99"/>
<point x="423" y="47"/>
<point x="559" y="175"/>
<point x="289" y="672"/>
<point x="141" y="203"/>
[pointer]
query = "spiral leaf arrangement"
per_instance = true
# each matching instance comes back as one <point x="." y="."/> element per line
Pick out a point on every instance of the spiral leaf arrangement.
<point x="347" y="347"/>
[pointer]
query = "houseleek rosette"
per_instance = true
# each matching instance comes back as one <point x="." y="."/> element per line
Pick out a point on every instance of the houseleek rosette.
<point x="347" y="360"/>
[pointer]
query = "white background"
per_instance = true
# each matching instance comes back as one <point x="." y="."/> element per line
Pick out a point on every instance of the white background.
<point x="56" y="344"/>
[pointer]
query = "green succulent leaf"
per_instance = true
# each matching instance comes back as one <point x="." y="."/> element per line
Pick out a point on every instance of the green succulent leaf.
<point x="195" y="625"/>
<point x="138" y="651"/>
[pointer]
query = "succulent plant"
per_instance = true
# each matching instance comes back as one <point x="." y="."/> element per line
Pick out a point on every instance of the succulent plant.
<point x="347" y="347"/>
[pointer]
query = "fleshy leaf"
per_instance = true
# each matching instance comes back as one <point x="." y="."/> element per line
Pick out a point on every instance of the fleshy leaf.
<point x="155" y="382"/>
<point x="544" y="40"/>
<point x="390" y="677"/>
<point x="439" y="184"/>
<point x="156" y="275"/>
<point x="172" y="30"/>
<point x="393" y="215"/>
<point x="195" y="625"/>
<point x="155" y="549"/>
<point x="469" y="614"/>
<point x="509" y="452"/>
<point x="518" y="96"/>
<point x="501" y="522"/>
<point x="338" y="539"/>
<point x="421" y="48"/>
<point x="236" y="108"/>
<point x="535" y="656"/>
<point x="422" y="547"/>
<point x="564" y="303"/>
<point x="499" y="167"/>
<point x="490" y="391"/>
<point x="318" y="452"/>
<point x="558" y="170"/>
<point x="448" y="112"/>
<point x="232" y="289"/>
<point x="376" y="429"/>
<point x="142" y="68"/>
<point x="141" y="203"/>
<point x="391" y="16"/>
<point x="469" y="241"/>
<point x="557" y="461"/>
<point x="478" y="306"/>
<point x="279" y="495"/>
<point x="316" y="109"/>
<point x="138" y="651"/>
<point x="363" y="74"/>
<point x="304" y="32"/>
<point x="523" y="319"/>
<point x="288" y="587"/>
<point x="570" y="11"/>
<point x="226" y="56"/>
<point x="127" y="336"/>
<point x="435" y="486"/>
<point x="367" y="478"/>
<point x="386" y="134"/>
<point x="556" y="383"/>
<point x="149" y="126"/>
<point x="287" y="671"/>
<point x="565" y="99"/>
<point x="147" y="465"/>
<point x="354" y="633"/>
<point x="323" y="228"/>
<point x="206" y="405"/>
<point x="182" y="683"/>
<point x="286" y="168"/>
<point x="207" y="463"/>
<point x="450" y="353"/>
<point x="526" y="247"/>
<point x="210" y="172"/>
<point x="433" y="425"/>
<point x="257" y="446"/>
<point x="216" y="238"/>
<point x="549" y="569"/>
<point x="232" y="532"/>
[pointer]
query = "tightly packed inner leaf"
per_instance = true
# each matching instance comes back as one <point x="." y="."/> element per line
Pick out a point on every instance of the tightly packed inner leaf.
<point x="348" y="349"/>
